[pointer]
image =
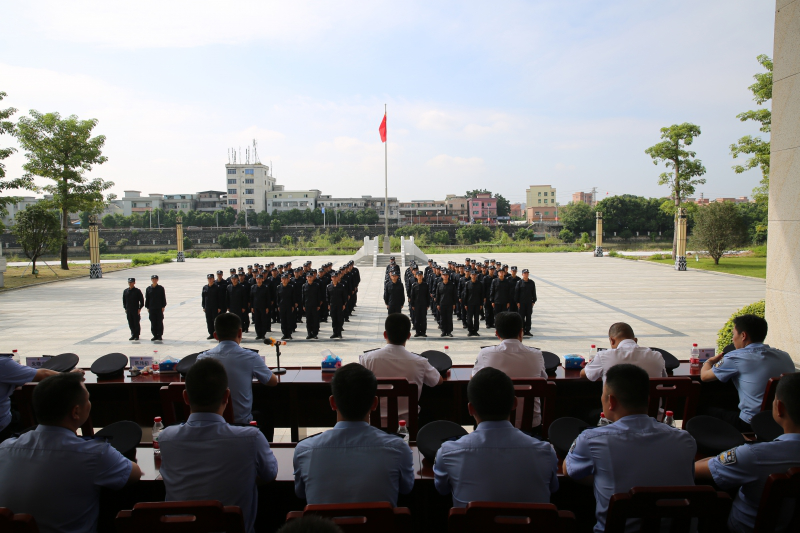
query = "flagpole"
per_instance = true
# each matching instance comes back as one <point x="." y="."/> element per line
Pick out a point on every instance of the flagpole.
<point x="386" y="246"/>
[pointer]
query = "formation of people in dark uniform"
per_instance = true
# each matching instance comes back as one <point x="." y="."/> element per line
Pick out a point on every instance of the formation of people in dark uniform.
<point x="472" y="291"/>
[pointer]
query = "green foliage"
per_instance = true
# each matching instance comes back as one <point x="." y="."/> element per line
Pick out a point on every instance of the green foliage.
<point x="413" y="229"/>
<point x="473" y="233"/>
<point x="585" y="238"/>
<point x="501" y="237"/>
<point x="566" y="235"/>
<point x="25" y="182"/>
<point x="725" y="335"/>
<point x="121" y="244"/>
<point x="577" y="217"/>
<point x="626" y="235"/>
<point x="503" y="206"/>
<point x="754" y="217"/>
<point x="718" y="229"/>
<point x="287" y="240"/>
<point x="525" y="234"/>
<point x="187" y="243"/>
<point x="101" y="244"/>
<point x="150" y="259"/>
<point x="759" y="251"/>
<point x="275" y="225"/>
<point x="38" y="230"/>
<point x="612" y="253"/>
<point x="440" y="237"/>
<point x="237" y="239"/>
<point x="109" y="222"/>
<point x="685" y="170"/>
<point x="634" y="213"/>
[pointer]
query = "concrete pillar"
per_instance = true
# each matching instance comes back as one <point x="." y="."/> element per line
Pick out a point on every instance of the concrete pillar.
<point x="95" y="270"/>
<point x="783" y="246"/>
<point x="179" y="237"/>
<point x="680" y="258"/>
<point x="598" y="243"/>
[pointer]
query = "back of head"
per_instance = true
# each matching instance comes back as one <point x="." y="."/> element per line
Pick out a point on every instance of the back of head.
<point x="630" y="384"/>
<point x="310" y="524"/>
<point x="788" y="392"/>
<point x="754" y="326"/>
<point x="508" y="325"/>
<point x="227" y="326"/>
<point x="491" y="393"/>
<point x="620" y="330"/>
<point x="398" y="328"/>
<point x="354" y="389"/>
<point x="56" y="396"/>
<point x="206" y="383"/>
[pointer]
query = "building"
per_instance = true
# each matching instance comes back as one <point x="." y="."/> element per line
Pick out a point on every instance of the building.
<point x="457" y="206"/>
<point x="134" y="202"/>
<point x="516" y="210"/>
<point x="739" y="200"/>
<point x="279" y="199"/>
<point x="180" y="202"/>
<point x="360" y="203"/>
<point x="210" y="201"/>
<point x="541" y="203"/>
<point x="13" y="209"/>
<point x="248" y="186"/>
<point x="483" y="208"/>
<point x="427" y="212"/>
<point x="584" y="198"/>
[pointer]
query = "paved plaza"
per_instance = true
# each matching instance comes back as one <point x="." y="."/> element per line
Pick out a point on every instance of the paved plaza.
<point x="579" y="297"/>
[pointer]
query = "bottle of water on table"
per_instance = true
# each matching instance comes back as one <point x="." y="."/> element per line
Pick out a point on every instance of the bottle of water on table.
<point x="603" y="420"/>
<point x="157" y="427"/>
<point x="403" y="431"/>
<point x="669" y="419"/>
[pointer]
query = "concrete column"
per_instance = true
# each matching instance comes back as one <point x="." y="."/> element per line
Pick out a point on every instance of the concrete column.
<point x="179" y="235"/>
<point x="783" y="247"/>
<point x="598" y="243"/>
<point x="95" y="270"/>
<point x="680" y="258"/>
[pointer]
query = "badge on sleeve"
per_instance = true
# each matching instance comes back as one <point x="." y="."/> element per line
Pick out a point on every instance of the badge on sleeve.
<point x="719" y="363"/>
<point x="573" y="445"/>
<point x="728" y="458"/>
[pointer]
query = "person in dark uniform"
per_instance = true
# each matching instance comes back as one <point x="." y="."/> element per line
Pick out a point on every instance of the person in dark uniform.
<point x="132" y="302"/>
<point x="324" y="277"/>
<point x="237" y="298"/>
<point x="233" y="275"/>
<point x="336" y="295"/>
<point x="418" y="301"/>
<point x="473" y="301"/>
<point x="260" y="303"/>
<point x="213" y="303"/>
<point x="410" y="282"/>
<point x="299" y="282"/>
<point x="390" y="268"/>
<point x="525" y="293"/>
<point x="393" y="293"/>
<point x="463" y="279"/>
<point x="284" y="297"/>
<point x="501" y="293"/>
<point x="246" y="287"/>
<point x="356" y="283"/>
<point x="445" y="301"/>
<point x="156" y="301"/>
<point x="487" y="292"/>
<point x="311" y="305"/>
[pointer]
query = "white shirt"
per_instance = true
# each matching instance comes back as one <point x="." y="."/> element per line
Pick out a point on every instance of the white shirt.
<point x="517" y="361"/>
<point x="629" y="352"/>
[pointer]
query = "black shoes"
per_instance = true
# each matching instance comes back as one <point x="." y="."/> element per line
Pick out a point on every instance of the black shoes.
<point x="527" y="334"/>
<point x="131" y="338"/>
<point x="346" y="319"/>
<point x="209" y="337"/>
<point x="260" y="338"/>
<point x="417" y="335"/>
<point x="309" y="337"/>
<point x="154" y="339"/>
<point x="135" y="339"/>
<point x="286" y="338"/>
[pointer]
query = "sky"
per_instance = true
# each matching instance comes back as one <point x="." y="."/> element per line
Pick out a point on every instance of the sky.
<point x="492" y="95"/>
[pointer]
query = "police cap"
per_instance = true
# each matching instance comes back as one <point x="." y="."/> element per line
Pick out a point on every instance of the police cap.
<point x="210" y="276"/>
<point x="131" y="280"/>
<point x="154" y="276"/>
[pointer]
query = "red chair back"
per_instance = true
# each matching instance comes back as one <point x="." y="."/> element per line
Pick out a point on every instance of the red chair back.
<point x="205" y="516"/>
<point x="674" y="391"/>
<point x="778" y="489"/>
<point x="373" y="517"/>
<point x="680" y="504"/>
<point x="391" y="389"/>
<point x="174" y="409"/>
<point x="769" y="393"/>
<point x="16" y="523"/>
<point x="510" y="517"/>
<point x="529" y="389"/>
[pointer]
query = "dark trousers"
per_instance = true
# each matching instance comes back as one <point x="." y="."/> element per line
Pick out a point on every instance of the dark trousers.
<point x="323" y="313"/>
<point x="411" y="313"/>
<point x="134" y="322"/>
<point x="157" y="322"/>
<point x="525" y="310"/>
<point x="287" y="322"/>
<point x="312" y="321"/>
<point x="260" y="321"/>
<point x="446" y="317"/>
<point x="473" y="318"/>
<point x="245" y="320"/>
<point x="421" y="320"/>
<point x="731" y="416"/>
<point x="337" y="319"/>
<point x="298" y="315"/>
<point x="211" y="315"/>
<point x="489" y="314"/>
<point x="395" y="308"/>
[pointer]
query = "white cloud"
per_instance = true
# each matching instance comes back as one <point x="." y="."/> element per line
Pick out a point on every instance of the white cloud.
<point x="448" y="161"/>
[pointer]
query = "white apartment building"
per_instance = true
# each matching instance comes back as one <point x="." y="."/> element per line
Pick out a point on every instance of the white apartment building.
<point x="248" y="186"/>
<point x="280" y="199"/>
<point x="360" y="203"/>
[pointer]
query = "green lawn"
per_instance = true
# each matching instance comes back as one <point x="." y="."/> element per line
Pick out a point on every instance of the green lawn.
<point x="755" y="267"/>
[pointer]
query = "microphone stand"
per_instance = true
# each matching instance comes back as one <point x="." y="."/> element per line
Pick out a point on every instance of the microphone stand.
<point x="279" y="371"/>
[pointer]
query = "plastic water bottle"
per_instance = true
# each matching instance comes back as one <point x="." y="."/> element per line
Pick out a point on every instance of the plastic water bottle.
<point x="403" y="430"/>
<point x="592" y="352"/>
<point x="669" y="419"/>
<point x="603" y="420"/>
<point x="15" y="356"/>
<point x="155" y="361"/>
<point x="447" y="351"/>
<point x="694" y="357"/>
<point x="157" y="427"/>
<point x="254" y="423"/>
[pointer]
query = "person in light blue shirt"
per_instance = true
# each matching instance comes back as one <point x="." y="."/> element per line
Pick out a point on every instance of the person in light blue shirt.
<point x="496" y="462"/>
<point x="749" y="366"/>
<point x="242" y="366"/>
<point x="747" y="467"/>
<point x="207" y="459"/>
<point x="51" y="473"/>
<point x="353" y="462"/>
<point x="634" y="450"/>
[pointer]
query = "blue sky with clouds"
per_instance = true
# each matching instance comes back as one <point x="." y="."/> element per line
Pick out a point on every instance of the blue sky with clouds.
<point x="497" y="95"/>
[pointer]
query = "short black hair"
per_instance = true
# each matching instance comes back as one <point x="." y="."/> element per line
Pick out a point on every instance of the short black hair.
<point x="354" y="388"/>
<point x="491" y="393"/>
<point x="788" y="392"/>
<point x="310" y="524"/>
<point x="754" y="326"/>
<point x="631" y="386"/>
<point x="508" y="324"/>
<point x="55" y="397"/>
<point x="398" y="328"/>
<point x="206" y="383"/>
<point x="621" y="330"/>
<point x="227" y="326"/>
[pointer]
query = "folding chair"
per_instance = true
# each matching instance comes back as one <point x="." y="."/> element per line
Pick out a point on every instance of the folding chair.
<point x="203" y="516"/>
<point x="175" y="410"/>
<point x="501" y="517"/>
<point x="528" y="390"/>
<point x="778" y="489"/>
<point x="673" y="391"/>
<point x="372" y="517"/>
<point x="391" y="389"/>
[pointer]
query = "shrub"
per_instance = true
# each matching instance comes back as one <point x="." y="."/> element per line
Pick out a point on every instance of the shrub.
<point x="612" y="253"/>
<point x="237" y="239"/>
<point x="524" y="234"/>
<point x="440" y="237"/>
<point x="286" y="240"/>
<point x="412" y="229"/>
<point x="187" y="243"/>
<point x="566" y="236"/>
<point x="150" y="259"/>
<point x="585" y="238"/>
<point x="473" y="233"/>
<point x="103" y="245"/>
<point x="275" y="225"/>
<point x="121" y="244"/>
<point x="725" y="335"/>
<point x="626" y="235"/>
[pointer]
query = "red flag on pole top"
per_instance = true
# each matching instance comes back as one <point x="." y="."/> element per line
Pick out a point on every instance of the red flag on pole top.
<point x="382" y="129"/>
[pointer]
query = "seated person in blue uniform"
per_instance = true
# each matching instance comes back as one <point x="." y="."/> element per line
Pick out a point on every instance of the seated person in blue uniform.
<point x="749" y="366"/>
<point x="207" y="459"/>
<point x="353" y="462"/>
<point x="242" y="365"/>
<point x="634" y="450"/>
<point x="747" y="467"/>
<point x="496" y="462"/>
<point x="53" y="474"/>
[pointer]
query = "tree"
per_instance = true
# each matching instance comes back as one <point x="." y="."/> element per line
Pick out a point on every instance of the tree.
<point x="275" y="225"/>
<point x="566" y="236"/>
<point x="38" y="230"/>
<point x="577" y="217"/>
<point x="503" y="206"/>
<point x="63" y="150"/>
<point x="685" y="169"/>
<point x="473" y="233"/>
<point x="102" y="245"/>
<point x="6" y="126"/>
<point x="755" y="147"/>
<point x="440" y="237"/>
<point x="109" y="222"/>
<point x="718" y="228"/>
<point x="237" y="239"/>
<point x="367" y="216"/>
<point x="524" y="234"/>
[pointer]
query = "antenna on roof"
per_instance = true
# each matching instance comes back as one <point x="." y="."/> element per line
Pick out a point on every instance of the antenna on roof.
<point x="255" y="153"/>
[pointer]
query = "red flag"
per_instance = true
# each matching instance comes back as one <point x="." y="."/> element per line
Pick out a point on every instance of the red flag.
<point x="382" y="129"/>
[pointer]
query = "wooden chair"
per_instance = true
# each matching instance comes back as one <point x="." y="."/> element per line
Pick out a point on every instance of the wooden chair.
<point x="17" y="523"/>
<point x="391" y="389"/>
<point x="175" y="409"/>
<point x="673" y="391"/>
<point x="769" y="393"/>
<point x="510" y="517"/>
<point x="778" y="489"/>
<point x="373" y="517"/>
<point x="528" y="390"/>
<point x="202" y="516"/>
<point x="680" y="504"/>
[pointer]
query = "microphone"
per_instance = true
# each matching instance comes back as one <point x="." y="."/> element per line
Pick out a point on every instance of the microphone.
<point x="272" y="342"/>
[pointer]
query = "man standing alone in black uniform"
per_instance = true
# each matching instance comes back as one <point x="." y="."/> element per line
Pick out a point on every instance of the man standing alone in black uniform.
<point x="473" y="300"/>
<point x="260" y="302"/>
<point x="445" y="301"/>
<point x="213" y="303"/>
<point x="311" y="305"/>
<point x="133" y="301"/>
<point x="284" y="297"/>
<point x="155" y="302"/>
<point x="419" y="301"/>
<point x="393" y="293"/>
<point x="525" y="295"/>
<point x="337" y="301"/>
